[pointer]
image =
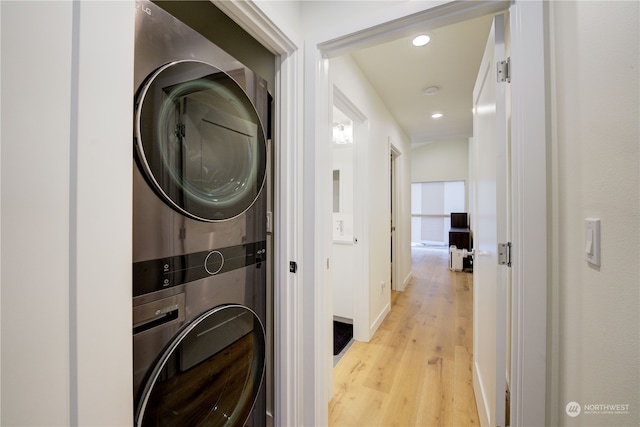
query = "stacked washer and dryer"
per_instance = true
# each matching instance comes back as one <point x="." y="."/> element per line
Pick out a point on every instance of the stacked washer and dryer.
<point x="199" y="230"/>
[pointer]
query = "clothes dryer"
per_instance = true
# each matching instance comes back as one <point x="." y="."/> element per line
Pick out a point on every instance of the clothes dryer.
<point x="199" y="230"/>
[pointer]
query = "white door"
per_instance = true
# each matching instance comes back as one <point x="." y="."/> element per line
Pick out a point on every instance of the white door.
<point x="490" y="219"/>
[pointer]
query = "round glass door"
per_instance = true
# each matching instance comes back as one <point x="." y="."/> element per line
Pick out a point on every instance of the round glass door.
<point x="200" y="141"/>
<point x="209" y="375"/>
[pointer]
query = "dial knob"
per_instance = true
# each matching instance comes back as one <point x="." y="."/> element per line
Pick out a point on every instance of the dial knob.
<point x="213" y="262"/>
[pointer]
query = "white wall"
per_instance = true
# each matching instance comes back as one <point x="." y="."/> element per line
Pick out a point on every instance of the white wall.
<point x="324" y="20"/>
<point x="442" y="161"/>
<point x="594" y="323"/>
<point x="66" y="213"/>
<point x="380" y="129"/>
<point x="342" y="255"/>
<point x="342" y="278"/>
<point x="35" y="209"/>
<point x="343" y="162"/>
<point x="285" y="15"/>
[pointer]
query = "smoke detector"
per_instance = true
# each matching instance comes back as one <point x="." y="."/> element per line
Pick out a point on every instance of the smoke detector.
<point x="432" y="90"/>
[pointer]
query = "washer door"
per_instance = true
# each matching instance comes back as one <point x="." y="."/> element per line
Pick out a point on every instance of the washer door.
<point x="199" y="141"/>
<point x="209" y="375"/>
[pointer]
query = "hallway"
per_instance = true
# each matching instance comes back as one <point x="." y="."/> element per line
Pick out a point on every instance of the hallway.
<point x="417" y="369"/>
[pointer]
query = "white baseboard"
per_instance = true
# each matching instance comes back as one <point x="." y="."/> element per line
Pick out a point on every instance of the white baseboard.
<point x="406" y="280"/>
<point x="481" y="398"/>
<point x="376" y="324"/>
<point x="343" y="319"/>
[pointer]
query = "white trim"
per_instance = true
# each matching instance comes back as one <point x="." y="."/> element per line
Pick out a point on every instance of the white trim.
<point x="394" y="173"/>
<point x="406" y="281"/>
<point x="529" y="204"/>
<point x="257" y="24"/>
<point x="288" y="319"/>
<point x="343" y="102"/>
<point x="429" y="19"/>
<point x="481" y="401"/>
<point x="1" y="241"/>
<point x="287" y="245"/>
<point x="316" y="220"/>
<point x="555" y="334"/>
<point x="376" y="323"/>
<point x="393" y="149"/>
<point x="361" y="331"/>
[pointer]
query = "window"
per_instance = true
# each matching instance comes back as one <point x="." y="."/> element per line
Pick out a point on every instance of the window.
<point x="431" y="207"/>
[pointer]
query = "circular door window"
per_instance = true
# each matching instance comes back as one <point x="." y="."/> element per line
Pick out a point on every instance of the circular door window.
<point x="209" y="375"/>
<point x="200" y="141"/>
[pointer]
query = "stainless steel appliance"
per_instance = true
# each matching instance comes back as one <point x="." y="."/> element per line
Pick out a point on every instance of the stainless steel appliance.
<point x="199" y="230"/>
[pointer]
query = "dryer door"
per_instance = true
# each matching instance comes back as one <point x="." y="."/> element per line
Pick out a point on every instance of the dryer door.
<point x="199" y="140"/>
<point x="210" y="374"/>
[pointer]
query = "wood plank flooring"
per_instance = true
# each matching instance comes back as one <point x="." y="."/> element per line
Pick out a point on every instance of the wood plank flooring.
<point x="416" y="370"/>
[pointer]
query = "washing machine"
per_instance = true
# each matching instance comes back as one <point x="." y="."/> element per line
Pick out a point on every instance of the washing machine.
<point x="199" y="230"/>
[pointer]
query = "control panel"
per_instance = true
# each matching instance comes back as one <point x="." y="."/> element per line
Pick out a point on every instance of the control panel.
<point x="157" y="274"/>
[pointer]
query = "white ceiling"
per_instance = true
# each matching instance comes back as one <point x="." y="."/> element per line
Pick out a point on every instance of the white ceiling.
<point x="400" y="72"/>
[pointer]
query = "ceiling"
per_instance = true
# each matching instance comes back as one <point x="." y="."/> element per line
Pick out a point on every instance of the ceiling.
<point x="400" y="72"/>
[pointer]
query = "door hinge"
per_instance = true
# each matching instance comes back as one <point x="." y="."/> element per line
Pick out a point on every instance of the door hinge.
<point x="504" y="254"/>
<point x="504" y="71"/>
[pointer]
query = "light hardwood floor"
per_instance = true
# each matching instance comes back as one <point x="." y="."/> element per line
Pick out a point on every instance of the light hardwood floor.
<point x="416" y="370"/>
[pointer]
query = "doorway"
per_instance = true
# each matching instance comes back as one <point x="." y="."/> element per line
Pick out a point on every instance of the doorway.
<point x="394" y="214"/>
<point x="349" y="218"/>
<point x="528" y="152"/>
<point x="342" y="234"/>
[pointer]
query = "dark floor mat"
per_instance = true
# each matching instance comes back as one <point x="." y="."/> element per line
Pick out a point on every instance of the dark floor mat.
<point x="342" y="334"/>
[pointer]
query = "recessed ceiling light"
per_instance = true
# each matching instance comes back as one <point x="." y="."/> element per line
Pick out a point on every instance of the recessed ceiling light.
<point x="436" y="115"/>
<point x="431" y="90"/>
<point x="421" y="40"/>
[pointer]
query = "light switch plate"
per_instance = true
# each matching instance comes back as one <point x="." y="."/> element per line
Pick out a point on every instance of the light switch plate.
<point x="592" y="241"/>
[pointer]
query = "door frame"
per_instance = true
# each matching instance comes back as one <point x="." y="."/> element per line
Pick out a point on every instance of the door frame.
<point x="302" y="338"/>
<point x="360" y="214"/>
<point x="394" y="188"/>
<point x="529" y="178"/>
<point x="288" y="215"/>
<point x="528" y="214"/>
